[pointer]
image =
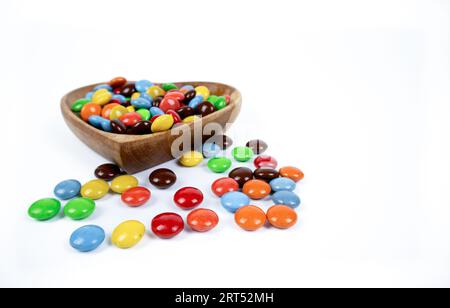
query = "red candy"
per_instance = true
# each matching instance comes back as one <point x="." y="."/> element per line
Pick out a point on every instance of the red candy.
<point x="179" y="96"/>
<point x="169" y="104"/>
<point x="136" y="196"/>
<point x="224" y="185"/>
<point x="176" y="117"/>
<point x="265" y="161"/>
<point x="167" y="225"/>
<point x="130" y="119"/>
<point x="188" y="197"/>
<point x="118" y="82"/>
<point x="202" y="220"/>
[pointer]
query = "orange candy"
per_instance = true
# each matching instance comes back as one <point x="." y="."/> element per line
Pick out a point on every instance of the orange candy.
<point x="256" y="189"/>
<point x="118" y="82"/>
<point x="90" y="109"/>
<point x="106" y="112"/>
<point x="202" y="220"/>
<point x="250" y="218"/>
<point x="293" y="173"/>
<point x="282" y="216"/>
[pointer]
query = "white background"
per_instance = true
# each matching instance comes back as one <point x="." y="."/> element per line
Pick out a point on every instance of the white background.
<point x="356" y="93"/>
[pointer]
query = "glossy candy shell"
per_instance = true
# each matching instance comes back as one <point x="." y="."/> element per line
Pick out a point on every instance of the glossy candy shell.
<point x="167" y="225"/>
<point x="87" y="238"/>
<point x="44" y="209"/>
<point x="136" y="196"/>
<point x="128" y="234"/>
<point x="202" y="220"/>
<point x="188" y="198"/>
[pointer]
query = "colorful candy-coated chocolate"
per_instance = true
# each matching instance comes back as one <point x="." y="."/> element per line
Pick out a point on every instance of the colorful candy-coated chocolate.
<point x="44" y="209"/>
<point x="233" y="201"/>
<point x="266" y="174"/>
<point x="282" y="216"/>
<point x="95" y="189"/>
<point x="89" y="110"/>
<point x="128" y="234"/>
<point x="206" y="108"/>
<point x="185" y="112"/>
<point x="124" y="182"/>
<point x="155" y="91"/>
<point x="188" y="96"/>
<point x="117" y="112"/>
<point x="256" y="189"/>
<point x="67" y="189"/>
<point x="258" y="146"/>
<point x="203" y="91"/>
<point x="169" y="103"/>
<point x="89" y="96"/>
<point x="136" y="196"/>
<point x="188" y="198"/>
<point x="106" y="125"/>
<point x="179" y="96"/>
<point x="108" y="172"/>
<point x="135" y="96"/>
<point x="118" y="82"/>
<point x="265" y="161"/>
<point x="167" y="225"/>
<point x="117" y="127"/>
<point x="119" y="98"/>
<point x="286" y="198"/>
<point x="211" y="150"/>
<point x="219" y="164"/>
<point x="163" y="178"/>
<point x="103" y="87"/>
<point x="282" y="184"/>
<point x="141" y="103"/>
<point x="242" y="154"/>
<point x="292" y="173"/>
<point x="127" y="90"/>
<point x="223" y="186"/>
<point x="79" y="208"/>
<point x="157" y="101"/>
<point x="202" y="220"/>
<point x="140" y="128"/>
<point x="190" y="119"/>
<point x="241" y="175"/>
<point x="79" y="104"/>
<point x="87" y="238"/>
<point x="96" y="121"/>
<point x="102" y="97"/>
<point x="131" y="109"/>
<point x="106" y="111"/>
<point x="220" y="103"/>
<point x="162" y="123"/>
<point x="196" y="101"/>
<point x="250" y="218"/>
<point x="222" y="141"/>
<point x="191" y="159"/>
<point x="143" y="85"/>
<point x="130" y="119"/>
<point x="156" y="111"/>
<point x="145" y="114"/>
<point x="175" y="115"/>
<point x="168" y="86"/>
<point x="155" y="117"/>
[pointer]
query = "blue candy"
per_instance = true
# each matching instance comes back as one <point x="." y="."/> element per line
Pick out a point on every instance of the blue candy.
<point x="67" y="189"/>
<point x="286" y="198"/>
<point x="143" y="85"/>
<point x="188" y="87"/>
<point x="106" y="125"/>
<point x="211" y="150"/>
<point x="233" y="201"/>
<point x="156" y="111"/>
<point x="96" y="121"/>
<point x="122" y="99"/>
<point x="103" y="86"/>
<point x="89" y="95"/>
<point x="147" y="97"/>
<point x="141" y="103"/>
<point x="282" y="184"/>
<point x="196" y="101"/>
<point x="87" y="238"/>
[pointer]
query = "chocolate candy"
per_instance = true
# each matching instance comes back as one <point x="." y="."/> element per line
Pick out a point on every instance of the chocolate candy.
<point x="185" y="112"/>
<point x="87" y="238"/>
<point x="219" y="164"/>
<point x="127" y="90"/>
<point x="143" y="85"/>
<point x="282" y="184"/>
<point x="191" y="159"/>
<point x="108" y="172"/>
<point x="188" y="96"/>
<point x="140" y="128"/>
<point x="123" y="182"/>
<point x="250" y="218"/>
<point x="118" y="82"/>
<point x="205" y="108"/>
<point x="286" y="198"/>
<point x="169" y="103"/>
<point x="265" y="161"/>
<point x="223" y="186"/>
<point x="67" y="189"/>
<point x="241" y="175"/>
<point x="256" y="189"/>
<point x="118" y="127"/>
<point x="221" y="140"/>
<point x="242" y="154"/>
<point x="79" y="208"/>
<point x="163" y="178"/>
<point x="136" y="196"/>
<point x="130" y="119"/>
<point x="266" y="174"/>
<point x="95" y="189"/>
<point x="44" y="209"/>
<point x="292" y="173"/>
<point x="157" y="101"/>
<point x="233" y="201"/>
<point x="89" y="110"/>
<point x="188" y="198"/>
<point x="162" y="123"/>
<point x="167" y="225"/>
<point x="211" y="150"/>
<point x="128" y="234"/>
<point x="202" y="220"/>
<point x="258" y="146"/>
<point x="79" y="104"/>
<point x="282" y="216"/>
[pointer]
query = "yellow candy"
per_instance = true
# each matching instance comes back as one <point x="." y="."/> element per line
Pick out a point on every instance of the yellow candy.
<point x="124" y="182"/>
<point x="162" y="123"/>
<point x="203" y="91"/>
<point x="155" y="91"/>
<point x="95" y="189"/>
<point x="102" y="97"/>
<point x="135" y="95"/>
<point x="128" y="234"/>
<point x="191" y="159"/>
<point x="191" y="119"/>
<point x="131" y="109"/>
<point x="117" y="112"/>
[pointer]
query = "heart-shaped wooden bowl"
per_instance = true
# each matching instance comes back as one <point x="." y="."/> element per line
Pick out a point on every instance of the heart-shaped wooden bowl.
<point x="138" y="153"/>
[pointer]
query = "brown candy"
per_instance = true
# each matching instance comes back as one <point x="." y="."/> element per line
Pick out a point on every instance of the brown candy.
<point x="108" y="172"/>
<point x="141" y="128"/>
<point x="118" y="127"/>
<point x="189" y="96"/>
<point x="258" y="146"/>
<point x="185" y="112"/>
<point x="222" y="141"/>
<point x="266" y="174"/>
<point x="128" y="90"/>
<point x="163" y="178"/>
<point x="205" y="109"/>
<point x="118" y="82"/>
<point x="241" y="175"/>
<point x="157" y="101"/>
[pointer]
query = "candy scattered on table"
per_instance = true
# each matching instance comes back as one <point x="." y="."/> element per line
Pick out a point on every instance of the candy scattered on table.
<point x="67" y="189"/>
<point x="136" y="196"/>
<point x="243" y="154"/>
<point x="250" y="218"/>
<point x="223" y="186"/>
<point x="286" y="198"/>
<point x="163" y="178"/>
<point x="124" y="182"/>
<point x="167" y="225"/>
<point x="282" y="184"/>
<point x="219" y="164"/>
<point x="233" y="201"/>
<point x="79" y="208"/>
<point x="95" y="189"/>
<point x="87" y="238"/>
<point x="202" y="220"/>
<point x="256" y="189"/>
<point x="241" y="175"/>
<point x="282" y="216"/>
<point x="188" y="198"/>
<point x="128" y="234"/>
<point x="44" y="209"/>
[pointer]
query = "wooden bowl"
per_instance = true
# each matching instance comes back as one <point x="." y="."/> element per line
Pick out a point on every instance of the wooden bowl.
<point x="138" y="153"/>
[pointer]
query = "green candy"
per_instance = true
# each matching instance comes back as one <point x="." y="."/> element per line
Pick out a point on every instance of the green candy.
<point x="213" y="99"/>
<point x="219" y="164"/>
<point x="79" y="104"/>
<point x="169" y="86"/>
<point x="145" y="113"/>
<point x="220" y="103"/>
<point x="80" y="208"/>
<point x="44" y="209"/>
<point x="243" y="154"/>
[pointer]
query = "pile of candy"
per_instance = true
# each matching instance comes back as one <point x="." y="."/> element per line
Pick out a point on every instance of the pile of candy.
<point x="235" y="192"/>
<point x="141" y="108"/>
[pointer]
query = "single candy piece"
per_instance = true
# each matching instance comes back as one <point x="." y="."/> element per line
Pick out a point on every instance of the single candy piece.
<point x="292" y="173"/>
<point x="106" y="111"/>
<point x="221" y="140"/>
<point x="176" y="117"/>
<point x="188" y="96"/>
<point x="117" y="112"/>
<point x="233" y="201"/>
<point x="190" y="119"/>
<point x="67" y="189"/>
<point x="282" y="184"/>
<point x="108" y="172"/>
<point x="95" y="189"/>
<point x="89" y="110"/>
<point x="157" y="101"/>
<point x="188" y="198"/>
<point x="179" y="96"/>
<point x="163" y="178"/>
<point x="117" y="127"/>
<point x="206" y="108"/>
<point x="130" y="119"/>
<point x="103" y="86"/>
<point x="128" y="234"/>
<point x="87" y="238"/>
<point x="256" y="189"/>
<point x="196" y="101"/>
<point x="211" y="150"/>
<point x="124" y="182"/>
<point x="265" y="161"/>
<point x="185" y="112"/>
<point x="143" y="85"/>
<point x="167" y="225"/>
<point x="203" y="91"/>
<point x="156" y="111"/>
<point x="118" y="82"/>
<point x="169" y="103"/>
<point x="202" y="220"/>
<point x="266" y="174"/>
<point x="141" y="128"/>
<point x="155" y="91"/>
<point x="79" y="104"/>
<point x="79" y="208"/>
<point x="191" y="159"/>
<point x="102" y="97"/>
<point x="141" y="103"/>
<point x="223" y="186"/>
<point x="250" y="218"/>
<point x="127" y="90"/>
<point x="242" y="154"/>
<point x="282" y="216"/>
<point x="96" y="121"/>
<point x="119" y="98"/>
<point x="258" y="146"/>
<point x="220" y="103"/>
<point x="162" y="123"/>
<point x="44" y="209"/>
<point x="106" y="125"/>
<point x="169" y="86"/>
<point x="145" y="114"/>
<point x="286" y="198"/>
<point x="241" y="175"/>
<point x="136" y="196"/>
<point x="219" y="164"/>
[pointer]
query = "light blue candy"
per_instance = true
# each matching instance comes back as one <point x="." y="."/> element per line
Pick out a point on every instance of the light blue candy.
<point x="196" y="101"/>
<point x="286" y="198"/>
<point x="147" y="97"/>
<point x="141" y="103"/>
<point x="122" y="99"/>
<point x="96" y="121"/>
<point x="233" y="201"/>
<point x="188" y="87"/>
<point x="89" y="95"/>
<point x="211" y="150"/>
<point x="282" y="184"/>
<point x="143" y="85"/>
<point x="106" y="125"/>
<point x="67" y="189"/>
<point x="87" y="238"/>
<point x="103" y="86"/>
<point x="156" y="111"/>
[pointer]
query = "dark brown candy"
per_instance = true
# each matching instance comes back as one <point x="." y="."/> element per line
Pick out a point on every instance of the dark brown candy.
<point x="163" y="178"/>
<point x="108" y="172"/>
<point x="258" y="146"/>
<point x="205" y="109"/>
<point x="118" y="127"/>
<point x="189" y="96"/>
<point x="141" y="128"/>
<point x="266" y="174"/>
<point x="185" y="112"/>
<point x="222" y="141"/>
<point x="128" y="90"/>
<point x="241" y="175"/>
<point x="157" y="101"/>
